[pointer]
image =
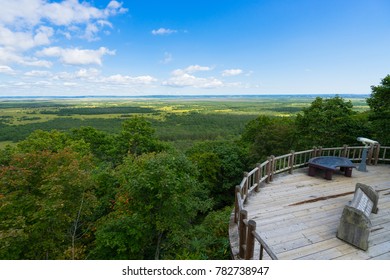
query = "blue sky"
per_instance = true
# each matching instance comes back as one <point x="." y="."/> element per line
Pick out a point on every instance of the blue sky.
<point x="143" y="47"/>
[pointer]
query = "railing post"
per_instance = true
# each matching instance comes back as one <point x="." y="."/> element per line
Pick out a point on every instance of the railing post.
<point x="250" y="240"/>
<point x="246" y="186"/>
<point x="345" y="151"/>
<point x="272" y="167"/>
<point x="261" y="252"/>
<point x="370" y="153"/>
<point x="242" y="233"/>
<point x="237" y="203"/>
<point x="377" y="152"/>
<point x="258" y="177"/>
<point x="319" y="151"/>
<point x="292" y="160"/>
<point x="268" y="170"/>
<point x="314" y="152"/>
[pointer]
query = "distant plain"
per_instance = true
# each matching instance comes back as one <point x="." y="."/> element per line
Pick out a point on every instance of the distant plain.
<point x="179" y="120"/>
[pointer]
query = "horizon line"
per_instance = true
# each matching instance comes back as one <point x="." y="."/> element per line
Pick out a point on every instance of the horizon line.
<point x="178" y="95"/>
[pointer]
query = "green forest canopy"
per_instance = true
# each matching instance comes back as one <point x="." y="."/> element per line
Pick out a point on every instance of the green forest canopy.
<point x="86" y="193"/>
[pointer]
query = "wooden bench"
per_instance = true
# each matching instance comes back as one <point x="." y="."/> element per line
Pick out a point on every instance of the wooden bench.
<point x="355" y="222"/>
<point x="330" y="164"/>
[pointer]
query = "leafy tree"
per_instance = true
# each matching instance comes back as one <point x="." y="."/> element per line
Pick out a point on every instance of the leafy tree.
<point x="220" y="165"/>
<point x="158" y="200"/>
<point x="265" y="136"/>
<point x="210" y="239"/>
<point x="329" y="122"/>
<point x="45" y="204"/>
<point x="379" y="103"/>
<point x="101" y="144"/>
<point x="137" y="136"/>
<point x="53" y="141"/>
<point x="6" y="154"/>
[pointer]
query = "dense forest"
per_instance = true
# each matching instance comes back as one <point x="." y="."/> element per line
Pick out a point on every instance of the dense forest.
<point x="81" y="192"/>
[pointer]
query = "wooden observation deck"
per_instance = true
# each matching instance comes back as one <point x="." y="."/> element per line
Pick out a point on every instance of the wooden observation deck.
<point x="282" y="213"/>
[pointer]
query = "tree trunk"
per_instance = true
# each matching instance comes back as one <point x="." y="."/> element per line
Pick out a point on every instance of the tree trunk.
<point x="157" y="254"/>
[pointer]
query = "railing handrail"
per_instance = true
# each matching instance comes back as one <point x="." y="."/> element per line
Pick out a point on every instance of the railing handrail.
<point x="265" y="171"/>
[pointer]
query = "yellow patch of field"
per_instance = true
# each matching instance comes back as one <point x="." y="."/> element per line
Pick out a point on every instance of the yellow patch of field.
<point x="4" y="144"/>
<point x="223" y="111"/>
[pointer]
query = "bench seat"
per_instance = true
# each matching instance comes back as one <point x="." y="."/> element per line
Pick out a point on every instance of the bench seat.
<point x="330" y="164"/>
<point x="355" y="223"/>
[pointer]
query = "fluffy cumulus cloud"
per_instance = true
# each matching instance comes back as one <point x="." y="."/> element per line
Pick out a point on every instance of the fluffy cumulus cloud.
<point x="61" y="13"/>
<point x="185" y="78"/>
<point x="24" y="40"/>
<point x="163" y="31"/>
<point x="21" y="12"/>
<point x="196" y="68"/>
<point x="38" y="73"/>
<point x="90" y="73"/>
<point x="91" y="76"/>
<point x="129" y="80"/>
<point x="76" y="56"/>
<point x="9" y="57"/>
<point x="6" y="70"/>
<point x="190" y="69"/>
<point x="28" y="25"/>
<point x="231" y="72"/>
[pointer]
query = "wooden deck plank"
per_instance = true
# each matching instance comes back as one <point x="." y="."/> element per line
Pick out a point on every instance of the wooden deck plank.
<point x="298" y="215"/>
<point x="310" y="250"/>
<point x="385" y="256"/>
<point x="372" y="252"/>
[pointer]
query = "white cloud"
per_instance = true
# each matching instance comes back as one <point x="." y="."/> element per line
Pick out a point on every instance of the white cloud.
<point x="6" y="70"/>
<point x="167" y="58"/>
<point x="43" y="83"/>
<point x="70" y="12"/>
<point x="231" y="72"/>
<point x="64" y="76"/>
<point x="115" y="7"/>
<point x="17" y="40"/>
<point x="105" y="23"/>
<point x="42" y="36"/>
<point x="163" y="31"/>
<point x="196" y="68"/>
<point x="21" y="12"/>
<point x="76" y="56"/>
<point x="90" y="32"/>
<point x="9" y="56"/>
<point x="68" y="84"/>
<point x="183" y="78"/>
<point x="128" y="80"/>
<point x="35" y="62"/>
<point x="187" y="80"/>
<point x="65" y="13"/>
<point x="87" y="73"/>
<point x="38" y="73"/>
<point x="190" y="69"/>
<point x="81" y="81"/>
<point x="14" y="40"/>
<point x="92" y="76"/>
<point x="26" y="25"/>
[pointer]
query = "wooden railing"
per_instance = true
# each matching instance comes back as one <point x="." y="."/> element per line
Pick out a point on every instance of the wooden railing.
<point x="264" y="173"/>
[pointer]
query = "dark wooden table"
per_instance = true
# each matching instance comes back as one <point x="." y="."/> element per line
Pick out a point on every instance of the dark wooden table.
<point x="330" y="164"/>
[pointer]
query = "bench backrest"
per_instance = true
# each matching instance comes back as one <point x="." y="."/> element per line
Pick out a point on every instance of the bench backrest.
<point x="362" y="193"/>
<point x="362" y="202"/>
<point x="355" y="222"/>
